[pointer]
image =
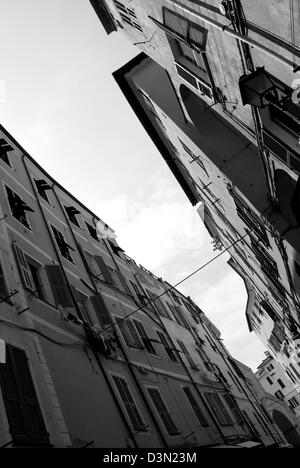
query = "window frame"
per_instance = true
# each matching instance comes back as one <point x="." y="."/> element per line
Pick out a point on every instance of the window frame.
<point x="174" y="431"/>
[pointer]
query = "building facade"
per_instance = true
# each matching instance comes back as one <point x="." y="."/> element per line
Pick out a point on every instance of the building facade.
<point x="216" y="87"/>
<point x="96" y="351"/>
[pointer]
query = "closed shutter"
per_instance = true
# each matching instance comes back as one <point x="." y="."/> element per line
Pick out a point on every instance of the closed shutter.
<point x="163" y="411"/>
<point x="24" y="269"/>
<point x="124" y="283"/>
<point x="101" y="310"/>
<point x="105" y="271"/>
<point x="81" y="301"/>
<point x="220" y="411"/>
<point x="198" y="412"/>
<point x="234" y="407"/>
<point x="129" y="340"/>
<point x="3" y="288"/>
<point x="187" y="354"/>
<point x="168" y="346"/>
<point x="24" y="415"/>
<point x="59" y="286"/>
<point x="130" y="406"/>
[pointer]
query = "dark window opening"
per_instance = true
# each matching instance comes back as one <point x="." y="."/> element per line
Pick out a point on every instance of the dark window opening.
<point x="63" y="246"/>
<point x="4" y="149"/>
<point x="36" y="276"/>
<point x="18" y="207"/>
<point x="279" y="395"/>
<point x="92" y="231"/>
<point x="42" y="188"/>
<point x="72" y="212"/>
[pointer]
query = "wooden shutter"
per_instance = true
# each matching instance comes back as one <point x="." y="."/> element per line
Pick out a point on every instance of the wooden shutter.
<point x="134" y="333"/>
<point x="124" y="283"/>
<point x="3" y="287"/>
<point x="23" y="411"/>
<point x="163" y="411"/>
<point x="24" y="269"/>
<point x="59" y="286"/>
<point x="105" y="271"/>
<point x="128" y="401"/>
<point x="187" y="354"/>
<point x="101" y="310"/>
<point x="234" y="407"/>
<point x="219" y="409"/>
<point x="197" y="410"/>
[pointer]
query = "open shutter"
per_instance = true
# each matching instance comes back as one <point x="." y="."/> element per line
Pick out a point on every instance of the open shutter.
<point x="101" y="310"/>
<point x="24" y="269"/>
<point x="105" y="271"/>
<point x="3" y="287"/>
<point x="59" y="286"/>
<point x="124" y="283"/>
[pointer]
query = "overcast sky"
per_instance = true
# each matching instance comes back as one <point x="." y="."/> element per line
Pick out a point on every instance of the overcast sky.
<point x="62" y="104"/>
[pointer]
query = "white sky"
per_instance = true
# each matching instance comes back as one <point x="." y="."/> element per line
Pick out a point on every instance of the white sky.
<point x="62" y="104"/>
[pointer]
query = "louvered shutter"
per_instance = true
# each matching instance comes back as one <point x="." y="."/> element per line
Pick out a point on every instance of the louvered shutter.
<point x="3" y="287"/>
<point x="129" y="340"/>
<point x="105" y="271"/>
<point x="59" y="286"/>
<point x="234" y="407"/>
<point x="101" y="310"/>
<point x="163" y="411"/>
<point x="24" y="415"/>
<point x="138" y="342"/>
<point x="124" y="283"/>
<point x="197" y="410"/>
<point x="24" y="269"/>
<point x="128" y="401"/>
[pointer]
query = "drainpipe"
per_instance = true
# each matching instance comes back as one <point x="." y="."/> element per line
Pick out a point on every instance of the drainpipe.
<point x="76" y="305"/>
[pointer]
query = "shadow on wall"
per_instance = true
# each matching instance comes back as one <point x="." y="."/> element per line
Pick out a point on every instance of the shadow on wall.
<point x="287" y="428"/>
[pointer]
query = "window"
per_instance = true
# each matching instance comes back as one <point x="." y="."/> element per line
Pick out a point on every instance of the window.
<point x="179" y="317"/>
<point x="187" y="355"/>
<point x="250" y="424"/>
<point x="158" y="305"/>
<point x="293" y="402"/>
<point x="251" y="220"/>
<point x="270" y="380"/>
<point x="42" y="187"/>
<point x="101" y="310"/>
<point x="18" y="207"/>
<point x="281" y="383"/>
<point x="24" y="269"/>
<point x="23" y="411"/>
<point x="165" y="341"/>
<point x="144" y="337"/>
<point x="82" y="302"/>
<point x="279" y="395"/>
<point x="3" y="286"/>
<point x="197" y="410"/>
<point x="188" y="42"/>
<point x="163" y="411"/>
<point x="218" y="408"/>
<point x="129" y="333"/>
<point x="4" y="149"/>
<point x="290" y="375"/>
<point x="92" y="231"/>
<point x="234" y="408"/>
<point x="270" y="367"/>
<point x="128" y="15"/>
<point x="35" y="270"/>
<point x="93" y="265"/>
<point x="63" y="246"/>
<point x="295" y="371"/>
<point x="72" y="212"/>
<point x="59" y="286"/>
<point x="130" y="406"/>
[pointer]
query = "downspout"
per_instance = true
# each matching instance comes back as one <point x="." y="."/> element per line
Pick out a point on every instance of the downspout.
<point x="76" y="306"/>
